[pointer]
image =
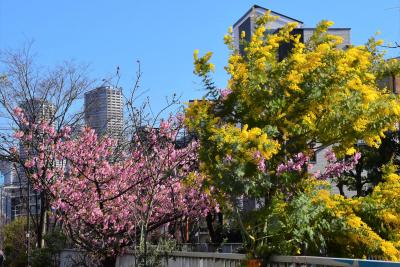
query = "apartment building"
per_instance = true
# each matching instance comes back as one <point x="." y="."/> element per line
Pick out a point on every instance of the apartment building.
<point x="248" y="21"/>
<point x="104" y="111"/>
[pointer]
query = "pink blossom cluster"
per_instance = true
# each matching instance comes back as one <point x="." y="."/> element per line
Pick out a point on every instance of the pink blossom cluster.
<point x="38" y="142"/>
<point x="225" y="93"/>
<point x="227" y="159"/>
<point x="260" y="161"/>
<point x="119" y="197"/>
<point x="104" y="197"/>
<point x="295" y="164"/>
<point x="336" y="167"/>
<point x="19" y="113"/>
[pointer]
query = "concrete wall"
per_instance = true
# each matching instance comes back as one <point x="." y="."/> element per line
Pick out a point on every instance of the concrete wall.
<point x="342" y="32"/>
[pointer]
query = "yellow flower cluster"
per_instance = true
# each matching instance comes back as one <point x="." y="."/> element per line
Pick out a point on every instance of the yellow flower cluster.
<point x="360" y="124"/>
<point x="245" y="142"/>
<point x="202" y="65"/>
<point x="237" y="67"/>
<point x="385" y="205"/>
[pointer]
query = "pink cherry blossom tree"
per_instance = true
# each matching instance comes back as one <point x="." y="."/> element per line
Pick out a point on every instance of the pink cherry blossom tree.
<point x="107" y="194"/>
<point x="108" y="198"/>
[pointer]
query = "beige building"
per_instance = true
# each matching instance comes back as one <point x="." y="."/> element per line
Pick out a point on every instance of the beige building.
<point x="104" y="110"/>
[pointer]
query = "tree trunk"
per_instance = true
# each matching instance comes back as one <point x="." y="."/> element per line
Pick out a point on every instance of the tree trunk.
<point x="143" y="245"/>
<point x="41" y="227"/>
<point x="220" y="227"/>
<point x="145" y="250"/>
<point x="209" y="220"/>
<point x="215" y="232"/>
<point x="109" y="261"/>
<point x="359" y="184"/>
<point x="340" y="187"/>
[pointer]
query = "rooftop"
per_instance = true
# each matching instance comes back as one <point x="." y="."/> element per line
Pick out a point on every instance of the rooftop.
<point x="264" y="10"/>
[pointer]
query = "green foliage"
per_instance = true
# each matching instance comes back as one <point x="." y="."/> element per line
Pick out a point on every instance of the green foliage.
<point x="291" y="224"/>
<point x="368" y="172"/>
<point x="154" y="254"/>
<point x="316" y="222"/>
<point x="49" y="255"/>
<point x="15" y="242"/>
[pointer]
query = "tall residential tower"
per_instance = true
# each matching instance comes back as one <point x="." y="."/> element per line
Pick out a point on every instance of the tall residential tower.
<point x="104" y="110"/>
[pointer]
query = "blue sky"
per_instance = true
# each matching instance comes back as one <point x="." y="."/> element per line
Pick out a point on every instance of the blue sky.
<point x="164" y="34"/>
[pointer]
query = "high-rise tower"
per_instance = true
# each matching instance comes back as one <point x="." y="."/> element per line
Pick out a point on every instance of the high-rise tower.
<point x="104" y="110"/>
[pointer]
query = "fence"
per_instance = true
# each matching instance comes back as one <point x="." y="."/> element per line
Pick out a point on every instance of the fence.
<point x="207" y="259"/>
<point x="309" y="261"/>
<point x="75" y="258"/>
<point x="192" y="259"/>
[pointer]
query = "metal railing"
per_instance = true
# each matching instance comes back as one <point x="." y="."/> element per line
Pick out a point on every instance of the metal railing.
<point x="310" y="261"/>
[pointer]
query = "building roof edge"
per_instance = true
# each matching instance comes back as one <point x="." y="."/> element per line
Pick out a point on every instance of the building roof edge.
<point x="257" y="6"/>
